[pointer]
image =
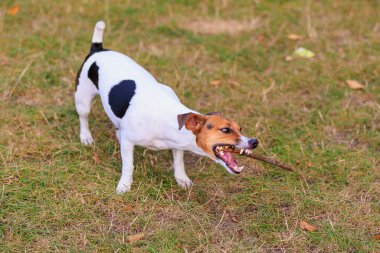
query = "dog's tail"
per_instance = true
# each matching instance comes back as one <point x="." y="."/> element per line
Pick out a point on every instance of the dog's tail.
<point x="97" y="38"/>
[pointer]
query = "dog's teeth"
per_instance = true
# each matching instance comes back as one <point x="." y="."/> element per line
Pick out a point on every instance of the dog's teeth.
<point x="247" y="151"/>
<point x="242" y="151"/>
<point x="238" y="169"/>
<point x="221" y="152"/>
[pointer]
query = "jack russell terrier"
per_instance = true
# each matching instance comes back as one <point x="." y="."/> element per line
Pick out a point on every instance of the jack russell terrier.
<point x="149" y="114"/>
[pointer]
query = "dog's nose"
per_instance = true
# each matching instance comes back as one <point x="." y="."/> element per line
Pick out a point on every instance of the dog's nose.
<point x="253" y="143"/>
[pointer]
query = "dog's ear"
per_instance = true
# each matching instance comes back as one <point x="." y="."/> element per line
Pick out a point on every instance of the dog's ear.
<point x="193" y="122"/>
<point x="182" y="119"/>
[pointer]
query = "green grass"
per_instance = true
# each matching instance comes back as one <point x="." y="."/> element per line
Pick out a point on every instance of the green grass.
<point x="54" y="197"/>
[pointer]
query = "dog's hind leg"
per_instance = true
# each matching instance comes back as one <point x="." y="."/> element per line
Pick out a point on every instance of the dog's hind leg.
<point x="179" y="169"/>
<point x="84" y="95"/>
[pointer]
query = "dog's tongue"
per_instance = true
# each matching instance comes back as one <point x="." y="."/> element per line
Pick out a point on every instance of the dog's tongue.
<point x="229" y="159"/>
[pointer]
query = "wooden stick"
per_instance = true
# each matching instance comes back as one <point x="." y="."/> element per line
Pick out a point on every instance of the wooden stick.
<point x="269" y="160"/>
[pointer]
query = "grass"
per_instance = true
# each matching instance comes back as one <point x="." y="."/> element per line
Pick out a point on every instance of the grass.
<point x="54" y="196"/>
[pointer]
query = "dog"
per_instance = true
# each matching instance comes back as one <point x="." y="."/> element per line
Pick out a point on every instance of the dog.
<point x="149" y="114"/>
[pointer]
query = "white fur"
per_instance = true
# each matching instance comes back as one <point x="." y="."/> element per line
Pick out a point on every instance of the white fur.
<point x="98" y="32"/>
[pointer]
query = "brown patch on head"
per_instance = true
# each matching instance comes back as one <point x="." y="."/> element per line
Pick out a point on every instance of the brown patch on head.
<point x="211" y="130"/>
<point x="224" y="131"/>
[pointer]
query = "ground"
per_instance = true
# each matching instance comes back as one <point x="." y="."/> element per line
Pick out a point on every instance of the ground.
<point x="228" y="56"/>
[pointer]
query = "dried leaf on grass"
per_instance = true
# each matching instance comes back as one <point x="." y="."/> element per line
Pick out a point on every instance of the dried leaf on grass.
<point x="4" y="61"/>
<point x="233" y="82"/>
<point x="10" y="180"/>
<point x="355" y="85"/>
<point x="127" y="208"/>
<point x="215" y="82"/>
<point x="306" y="226"/>
<point x="96" y="158"/>
<point x="135" y="238"/>
<point x="304" y="53"/>
<point x="293" y="36"/>
<point x="233" y="218"/>
<point x="377" y="237"/>
<point x="261" y="38"/>
<point x="13" y="10"/>
<point x="288" y="58"/>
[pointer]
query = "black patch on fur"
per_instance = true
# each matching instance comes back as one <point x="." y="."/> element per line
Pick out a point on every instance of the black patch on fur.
<point x="93" y="50"/>
<point x="209" y="126"/>
<point x="120" y="96"/>
<point x="93" y="74"/>
<point x="96" y="47"/>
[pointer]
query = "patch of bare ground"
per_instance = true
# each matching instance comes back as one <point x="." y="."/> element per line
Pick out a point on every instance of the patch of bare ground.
<point x="222" y="26"/>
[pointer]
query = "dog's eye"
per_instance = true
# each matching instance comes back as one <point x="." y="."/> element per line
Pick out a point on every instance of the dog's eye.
<point x="226" y="130"/>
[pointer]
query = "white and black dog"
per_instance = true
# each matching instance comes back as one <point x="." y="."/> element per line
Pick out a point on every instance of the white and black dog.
<point x="149" y="114"/>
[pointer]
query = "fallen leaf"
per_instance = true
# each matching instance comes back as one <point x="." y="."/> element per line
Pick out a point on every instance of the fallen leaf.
<point x="304" y="53"/>
<point x="10" y="180"/>
<point x="293" y="36"/>
<point x="135" y="238"/>
<point x="215" y="82"/>
<point x="233" y="218"/>
<point x="234" y="83"/>
<point x="306" y="226"/>
<point x="288" y="58"/>
<point x="13" y="10"/>
<point x="377" y="237"/>
<point x="4" y="62"/>
<point x="127" y="208"/>
<point x="355" y="85"/>
<point x="261" y="38"/>
<point x="96" y="158"/>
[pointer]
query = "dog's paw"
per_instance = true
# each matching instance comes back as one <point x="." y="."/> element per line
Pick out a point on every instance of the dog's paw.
<point x="184" y="182"/>
<point x="121" y="189"/>
<point x="86" y="139"/>
<point x="123" y="186"/>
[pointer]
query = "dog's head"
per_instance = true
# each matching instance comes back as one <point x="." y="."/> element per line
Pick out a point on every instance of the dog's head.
<point x="218" y="136"/>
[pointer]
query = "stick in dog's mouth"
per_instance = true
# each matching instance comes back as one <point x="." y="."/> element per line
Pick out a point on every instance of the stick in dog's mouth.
<point x="224" y="153"/>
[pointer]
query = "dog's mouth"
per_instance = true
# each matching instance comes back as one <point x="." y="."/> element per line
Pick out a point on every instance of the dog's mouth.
<point x="225" y="153"/>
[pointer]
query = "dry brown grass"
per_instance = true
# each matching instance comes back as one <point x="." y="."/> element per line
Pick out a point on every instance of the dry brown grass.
<point x="57" y="195"/>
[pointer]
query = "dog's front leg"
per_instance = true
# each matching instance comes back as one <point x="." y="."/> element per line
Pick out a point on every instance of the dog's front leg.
<point x="126" y="150"/>
<point x="179" y="169"/>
